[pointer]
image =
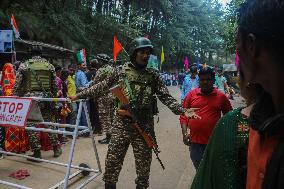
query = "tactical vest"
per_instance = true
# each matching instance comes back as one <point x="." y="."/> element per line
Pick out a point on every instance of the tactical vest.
<point x="107" y="71"/>
<point x="141" y="84"/>
<point x="38" y="76"/>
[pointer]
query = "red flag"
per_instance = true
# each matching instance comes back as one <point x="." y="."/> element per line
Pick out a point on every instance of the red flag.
<point x="117" y="47"/>
<point x="186" y="63"/>
<point x="237" y="61"/>
<point x="15" y="27"/>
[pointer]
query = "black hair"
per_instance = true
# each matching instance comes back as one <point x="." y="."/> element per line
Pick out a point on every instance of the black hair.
<point x="264" y="19"/>
<point x="207" y="70"/>
<point x="93" y="63"/>
<point x="57" y="68"/>
<point x="64" y="74"/>
<point x="73" y="66"/>
<point x="193" y="67"/>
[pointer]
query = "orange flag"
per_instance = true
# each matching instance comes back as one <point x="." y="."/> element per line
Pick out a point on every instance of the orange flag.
<point x="117" y="47"/>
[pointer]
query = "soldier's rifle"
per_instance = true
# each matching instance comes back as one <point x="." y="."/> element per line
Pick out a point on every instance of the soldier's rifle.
<point x="129" y="111"/>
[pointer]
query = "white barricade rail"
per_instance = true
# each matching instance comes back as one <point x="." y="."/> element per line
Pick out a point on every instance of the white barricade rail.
<point x="15" y="111"/>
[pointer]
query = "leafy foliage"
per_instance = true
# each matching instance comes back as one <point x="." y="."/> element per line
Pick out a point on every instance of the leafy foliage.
<point x="193" y="28"/>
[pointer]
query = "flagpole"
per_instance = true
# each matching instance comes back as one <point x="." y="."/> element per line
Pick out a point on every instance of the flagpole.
<point x="14" y="50"/>
<point x="125" y="51"/>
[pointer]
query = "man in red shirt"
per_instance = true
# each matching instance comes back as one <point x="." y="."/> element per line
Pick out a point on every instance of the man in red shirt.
<point x="209" y="103"/>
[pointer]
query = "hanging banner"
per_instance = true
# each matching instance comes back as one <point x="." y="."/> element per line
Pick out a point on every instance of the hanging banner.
<point x="14" y="111"/>
<point x="6" y="41"/>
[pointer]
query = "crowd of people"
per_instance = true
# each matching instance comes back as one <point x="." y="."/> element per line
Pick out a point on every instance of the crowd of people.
<point x="240" y="148"/>
<point x="188" y="80"/>
<point x="36" y="77"/>
<point x="246" y="147"/>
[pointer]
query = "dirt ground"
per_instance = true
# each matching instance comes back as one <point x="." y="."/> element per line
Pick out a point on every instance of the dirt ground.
<point x="178" y="174"/>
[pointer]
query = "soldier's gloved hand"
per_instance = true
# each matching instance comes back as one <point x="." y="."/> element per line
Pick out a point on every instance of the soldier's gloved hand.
<point x="73" y="98"/>
<point x="190" y="113"/>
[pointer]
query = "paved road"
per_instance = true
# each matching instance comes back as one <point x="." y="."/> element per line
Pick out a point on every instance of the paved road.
<point x="174" y="154"/>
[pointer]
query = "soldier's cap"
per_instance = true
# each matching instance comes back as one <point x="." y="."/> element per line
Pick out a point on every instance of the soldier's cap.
<point x="103" y="57"/>
<point x="141" y="42"/>
<point x="117" y="62"/>
<point x="93" y="63"/>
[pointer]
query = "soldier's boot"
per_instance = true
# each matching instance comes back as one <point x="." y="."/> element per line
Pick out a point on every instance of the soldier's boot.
<point x="106" y="139"/>
<point x="110" y="186"/>
<point x="37" y="154"/>
<point x="57" y="151"/>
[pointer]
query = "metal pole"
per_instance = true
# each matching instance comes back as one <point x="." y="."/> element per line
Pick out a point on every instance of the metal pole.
<point x="87" y="181"/>
<point x="13" y="185"/>
<point x="50" y="99"/>
<point x="54" y="131"/>
<point x="61" y="182"/>
<point x="48" y="130"/>
<point x="92" y="137"/>
<point x="73" y="145"/>
<point x="69" y="165"/>
<point x="62" y="125"/>
<point x="48" y="161"/>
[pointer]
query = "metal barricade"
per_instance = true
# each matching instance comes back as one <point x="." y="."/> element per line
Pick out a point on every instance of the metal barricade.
<point x="83" y="168"/>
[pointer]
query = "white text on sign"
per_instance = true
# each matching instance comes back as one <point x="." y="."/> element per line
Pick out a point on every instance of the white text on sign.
<point x="14" y="111"/>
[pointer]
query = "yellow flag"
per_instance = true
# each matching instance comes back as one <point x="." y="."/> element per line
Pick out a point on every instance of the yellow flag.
<point x="162" y="55"/>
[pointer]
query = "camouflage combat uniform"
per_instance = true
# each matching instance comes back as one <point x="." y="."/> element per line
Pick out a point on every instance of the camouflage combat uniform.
<point x="105" y="103"/>
<point x="27" y="86"/>
<point x="123" y="133"/>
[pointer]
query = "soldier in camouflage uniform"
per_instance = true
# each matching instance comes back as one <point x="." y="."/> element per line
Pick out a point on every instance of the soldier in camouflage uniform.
<point x="105" y="103"/>
<point x="36" y="78"/>
<point x="144" y="83"/>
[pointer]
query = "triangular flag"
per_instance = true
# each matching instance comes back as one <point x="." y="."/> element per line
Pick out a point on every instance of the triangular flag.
<point x="186" y="63"/>
<point x="117" y="47"/>
<point x="162" y="55"/>
<point x="81" y="56"/>
<point x="15" y="27"/>
<point x="237" y="61"/>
